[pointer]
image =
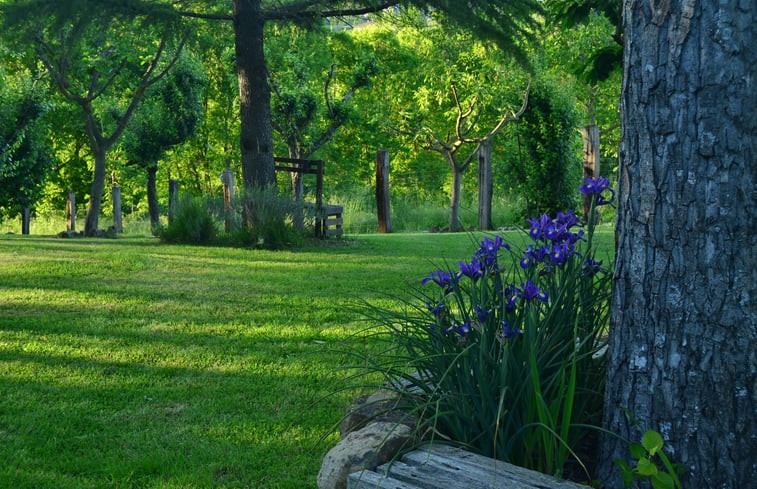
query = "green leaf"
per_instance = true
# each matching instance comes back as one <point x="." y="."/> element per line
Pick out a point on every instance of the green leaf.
<point x="626" y="472"/>
<point x="637" y="451"/>
<point x="652" y="441"/>
<point x="646" y="467"/>
<point x="662" y="480"/>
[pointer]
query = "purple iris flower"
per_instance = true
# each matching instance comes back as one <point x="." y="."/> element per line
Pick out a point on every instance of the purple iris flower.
<point x="509" y="332"/>
<point x="538" y="225"/>
<point x="487" y="254"/>
<point x="597" y="186"/>
<point x="462" y="329"/>
<point x="441" y="278"/>
<point x="560" y="253"/>
<point x="567" y="219"/>
<point x="473" y="271"/>
<point x="530" y="291"/>
<point x="436" y="309"/>
<point x="481" y="314"/>
<point x="591" y="268"/>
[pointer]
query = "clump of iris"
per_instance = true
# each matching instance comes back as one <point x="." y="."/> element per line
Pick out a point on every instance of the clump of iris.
<point x="555" y="240"/>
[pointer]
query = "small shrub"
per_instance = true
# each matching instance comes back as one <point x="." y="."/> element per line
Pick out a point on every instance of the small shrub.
<point x="193" y="223"/>
<point x="503" y="355"/>
<point x="268" y="219"/>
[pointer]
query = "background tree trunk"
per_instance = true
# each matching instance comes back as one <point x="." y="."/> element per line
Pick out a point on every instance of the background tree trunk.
<point x="682" y="349"/>
<point x="95" y="192"/>
<point x="254" y="95"/>
<point x="454" y="206"/>
<point x="152" y="197"/>
<point x="485" y="186"/>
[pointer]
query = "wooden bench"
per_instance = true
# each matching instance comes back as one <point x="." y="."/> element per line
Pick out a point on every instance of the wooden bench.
<point x="328" y="218"/>
<point x="442" y="466"/>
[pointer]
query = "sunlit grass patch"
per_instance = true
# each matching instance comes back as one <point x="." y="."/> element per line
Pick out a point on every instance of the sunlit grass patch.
<point x="130" y="363"/>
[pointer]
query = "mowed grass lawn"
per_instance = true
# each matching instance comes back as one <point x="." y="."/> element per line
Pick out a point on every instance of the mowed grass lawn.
<point x="131" y="363"/>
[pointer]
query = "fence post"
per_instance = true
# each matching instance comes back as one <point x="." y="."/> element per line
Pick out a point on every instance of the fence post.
<point x="485" y="186"/>
<point x="173" y="198"/>
<point x="227" y="178"/>
<point x="25" y="218"/>
<point x="590" y="136"/>
<point x="117" y="221"/>
<point x="71" y="212"/>
<point x="383" y="206"/>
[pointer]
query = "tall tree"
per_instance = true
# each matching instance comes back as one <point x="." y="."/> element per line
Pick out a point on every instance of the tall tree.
<point x="506" y="22"/>
<point x="25" y="150"/>
<point x="92" y="57"/>
<point x="683" y="340"/>
<point x="168" y="117"/>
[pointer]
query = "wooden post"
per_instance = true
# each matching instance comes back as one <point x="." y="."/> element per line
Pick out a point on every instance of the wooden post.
<point x="117" y="221"/>
<point x="590" y="136"/>
<point x="71" y="212"/>
<point x="383" y="206"/>
<point x="485" y="186"/>
<point x="320" y="218"/>
<point x="173" y="198"/>
<point x="227" y="178"/>
<point x="25" y="219"/>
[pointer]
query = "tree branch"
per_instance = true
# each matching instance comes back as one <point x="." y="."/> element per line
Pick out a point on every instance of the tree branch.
<point x="300" y="11"/>
<point x="144" y="83"/>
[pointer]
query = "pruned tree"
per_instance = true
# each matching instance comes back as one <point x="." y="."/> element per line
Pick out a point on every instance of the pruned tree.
<point x="449" y="146"/>
<point x="169" y="116"/>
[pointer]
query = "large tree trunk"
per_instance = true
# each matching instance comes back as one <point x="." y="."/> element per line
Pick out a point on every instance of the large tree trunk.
<point x="254" y="95"/>
<point x="683" y="343"/>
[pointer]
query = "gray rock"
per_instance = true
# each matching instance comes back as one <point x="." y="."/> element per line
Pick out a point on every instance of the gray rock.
<point x="384" y="405"/>
<point x="366" y="448"/>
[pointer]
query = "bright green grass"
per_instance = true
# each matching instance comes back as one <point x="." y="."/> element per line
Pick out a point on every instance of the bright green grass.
<point x="130" y="363"/>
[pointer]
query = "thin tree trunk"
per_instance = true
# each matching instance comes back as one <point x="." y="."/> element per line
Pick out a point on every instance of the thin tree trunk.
<point x="254" y="95"/>
<point x="683" y="340"/>
<point x="485" y="186"/>
<point x="96" y="192"/>
<point x="454" y="205"/>
<point x="152" y="197"/>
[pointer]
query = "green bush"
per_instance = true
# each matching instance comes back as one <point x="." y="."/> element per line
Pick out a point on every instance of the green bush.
<point x="268" y="219"/>
<point x="503" y="355"/>
<point x="192" y="223"/>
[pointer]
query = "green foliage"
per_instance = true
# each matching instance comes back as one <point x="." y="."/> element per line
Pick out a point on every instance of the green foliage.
<point x="503" y="355"/>
<point x="546" y="166"/>
<point x="192" y="223"/>
<point x="25" y="152"/>
<point x="647" y="468"/>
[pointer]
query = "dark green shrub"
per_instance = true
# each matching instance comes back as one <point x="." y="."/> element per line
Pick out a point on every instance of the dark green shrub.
<point x="192" y="223"/>
<point x="267" y="219"/>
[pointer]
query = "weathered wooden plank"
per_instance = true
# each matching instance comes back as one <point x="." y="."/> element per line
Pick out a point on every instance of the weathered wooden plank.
<point x="435" y="473"/>
<point x="441" y="466"/>
<point x="371" y="480"/>
<point x="468" y="461"/>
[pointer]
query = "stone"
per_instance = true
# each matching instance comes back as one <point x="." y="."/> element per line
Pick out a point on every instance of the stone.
<point x="384" y="405"/>
<point x="365" y="448"/>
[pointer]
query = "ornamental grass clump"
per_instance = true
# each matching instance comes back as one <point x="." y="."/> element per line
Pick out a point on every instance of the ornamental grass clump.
<point x="503" y="353"/>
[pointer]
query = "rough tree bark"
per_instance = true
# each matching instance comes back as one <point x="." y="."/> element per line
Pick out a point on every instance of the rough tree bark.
<point x="254" y="95"/>
<point x="683" y="341"/>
